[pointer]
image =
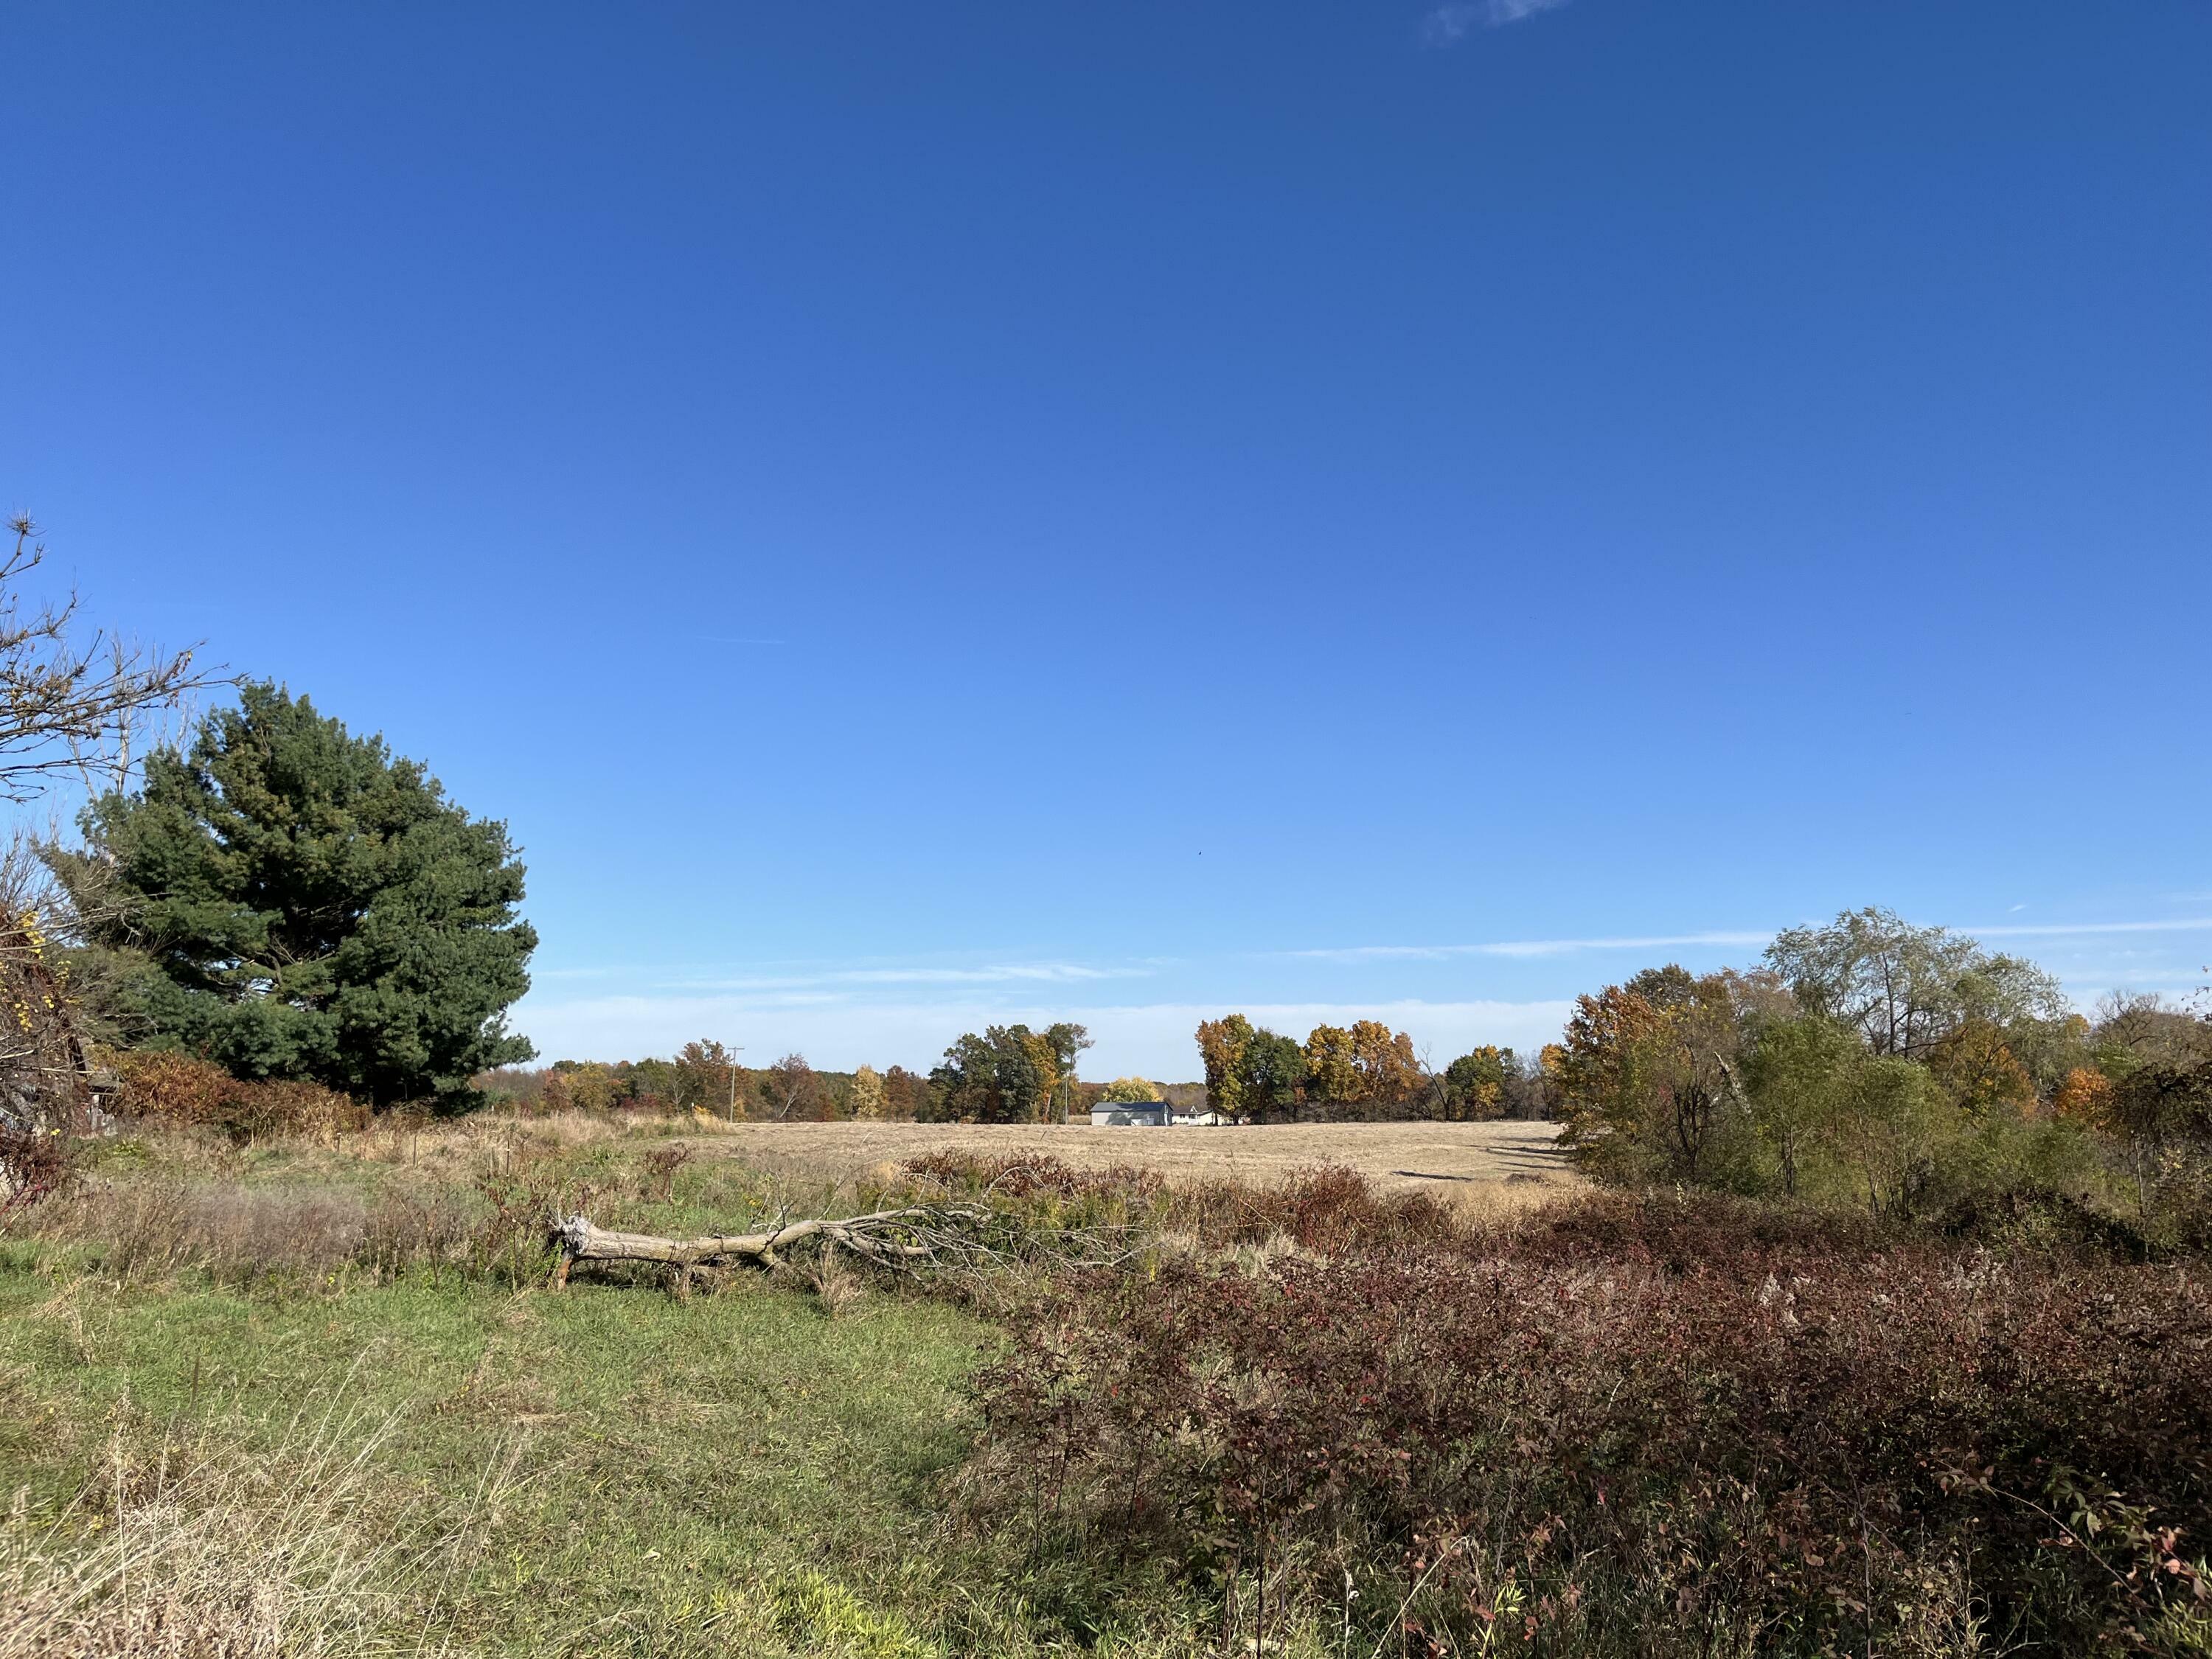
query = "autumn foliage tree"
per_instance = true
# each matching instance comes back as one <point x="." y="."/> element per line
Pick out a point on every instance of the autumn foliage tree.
<point x="2087" y="1097"/>
<point x="906" y="1095"/>
<point x="791" y="1090"/>
<point x="1221" y="1045"/>
<point x="1365" y="1069"/>
<point x="869" y="1103"/>
<point x="1648" y="1075"/>
<point x="1981" y="1073"/>
<point x="1902" y="1069"/>
<point x="705" y="1074"/>
<point x="1132" y="1090"/>
<point x="1390" y="1074"/>
<point x="1332" y="1077"/>
<point x="1007" y="1074"/>
<point x="1475" y="1084"/>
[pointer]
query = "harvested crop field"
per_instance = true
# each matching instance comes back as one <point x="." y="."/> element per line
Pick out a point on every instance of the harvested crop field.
<point x="1483" y="1161"/>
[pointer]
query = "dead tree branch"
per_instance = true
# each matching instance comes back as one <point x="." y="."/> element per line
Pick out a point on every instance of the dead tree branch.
<point x="71" y="702"/>
<point x="891" y="1238"/>
<point x="907" y="1239"/>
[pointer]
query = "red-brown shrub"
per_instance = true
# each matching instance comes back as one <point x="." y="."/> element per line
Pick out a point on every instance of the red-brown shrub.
<point x="1326" y="1208"/>
<point x="176" y="1088"/>
<point x="34" y="1164"/>
<point x="1843" y="1447"/>
<point x="1026" y="1175"/>
<point x="1681" y="1230"/>
<point x="173" y="1088"/>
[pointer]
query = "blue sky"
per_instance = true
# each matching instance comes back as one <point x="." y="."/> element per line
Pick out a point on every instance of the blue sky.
<point x="923" y="515"/>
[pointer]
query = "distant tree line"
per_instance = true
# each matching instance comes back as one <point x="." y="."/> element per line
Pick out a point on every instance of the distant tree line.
<point x="704" y="1076"/>
<point x="1003" y="1074"/>
<point x="1012" y="1074"/>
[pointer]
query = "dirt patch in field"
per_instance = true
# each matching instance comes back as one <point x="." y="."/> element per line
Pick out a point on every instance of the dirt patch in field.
<point x="1488" y="1163"/>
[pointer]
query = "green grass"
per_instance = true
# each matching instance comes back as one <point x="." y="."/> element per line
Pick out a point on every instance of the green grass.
<point x="737" y="1474"/>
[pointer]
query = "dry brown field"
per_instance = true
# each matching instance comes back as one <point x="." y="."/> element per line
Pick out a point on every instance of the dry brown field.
<point x="1480" y="1163"/>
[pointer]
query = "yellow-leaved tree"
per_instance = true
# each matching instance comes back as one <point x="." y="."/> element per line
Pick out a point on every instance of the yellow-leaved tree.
<point x="1221" y="1045"/>
<point x="869" y="1103"/>
<point x="1331" y="1066"/>
<point x="1389" y="1073"/>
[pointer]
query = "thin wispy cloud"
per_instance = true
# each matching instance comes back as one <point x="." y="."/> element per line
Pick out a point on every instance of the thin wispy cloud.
<point x="1560" y="947"/>
<point x="1448" y="25"/>
<point x="1528" y="947"/>
<point x="2058" y="930"/>
<point x="1050" y="973"/>
<point x="695" y="977"/>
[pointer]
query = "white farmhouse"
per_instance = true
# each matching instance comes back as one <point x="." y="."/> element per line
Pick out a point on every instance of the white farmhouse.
<point x="1129" y="1115"/>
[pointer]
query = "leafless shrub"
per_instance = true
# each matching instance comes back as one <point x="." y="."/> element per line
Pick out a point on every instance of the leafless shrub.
<point x="1325" y="1208"/>
<point x="418" y="1226"/>
<point x="527" y="1191"/>
<point x="34" y="1165"/>
<point x="657" y="1174"/>
<point x="243" y="1234"/>
<point x="237" y="1234"/>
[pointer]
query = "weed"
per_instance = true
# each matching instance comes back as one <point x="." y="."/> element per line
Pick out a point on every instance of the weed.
<point x="657" y="1172"/>
<point x="837" y="1289"/>
<point x="1629" y="1447"/>
<point x="528" y="1190"/>
<point x="193" y="1550"/>
<point x="34" y="1164"/>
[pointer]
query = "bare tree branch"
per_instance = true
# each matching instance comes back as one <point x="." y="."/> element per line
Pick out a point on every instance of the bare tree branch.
<point x="73" y="705"/>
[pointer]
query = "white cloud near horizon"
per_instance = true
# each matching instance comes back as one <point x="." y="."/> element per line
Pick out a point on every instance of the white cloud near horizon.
<point x="1153" y="1040"/>
<point x="839" y="1017"/>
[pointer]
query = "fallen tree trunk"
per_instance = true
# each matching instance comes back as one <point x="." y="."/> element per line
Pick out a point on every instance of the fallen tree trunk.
<point x="900" y="1238"/>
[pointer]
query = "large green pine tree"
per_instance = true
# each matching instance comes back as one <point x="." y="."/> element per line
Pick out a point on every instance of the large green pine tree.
<point x="292" y="902"/>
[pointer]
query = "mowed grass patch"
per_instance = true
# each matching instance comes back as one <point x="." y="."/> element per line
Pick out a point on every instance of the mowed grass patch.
<point x="736" y="1473"/>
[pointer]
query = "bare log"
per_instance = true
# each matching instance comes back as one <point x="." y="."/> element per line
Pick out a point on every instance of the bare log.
<point x="898" y="1238"/>
<point x="915" y="1238"/>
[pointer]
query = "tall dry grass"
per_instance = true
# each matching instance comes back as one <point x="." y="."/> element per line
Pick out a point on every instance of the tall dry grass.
<point x="200" y="1551"/>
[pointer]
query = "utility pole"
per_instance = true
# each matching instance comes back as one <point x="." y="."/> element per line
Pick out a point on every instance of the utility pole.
<point x="734" y="1053"/>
